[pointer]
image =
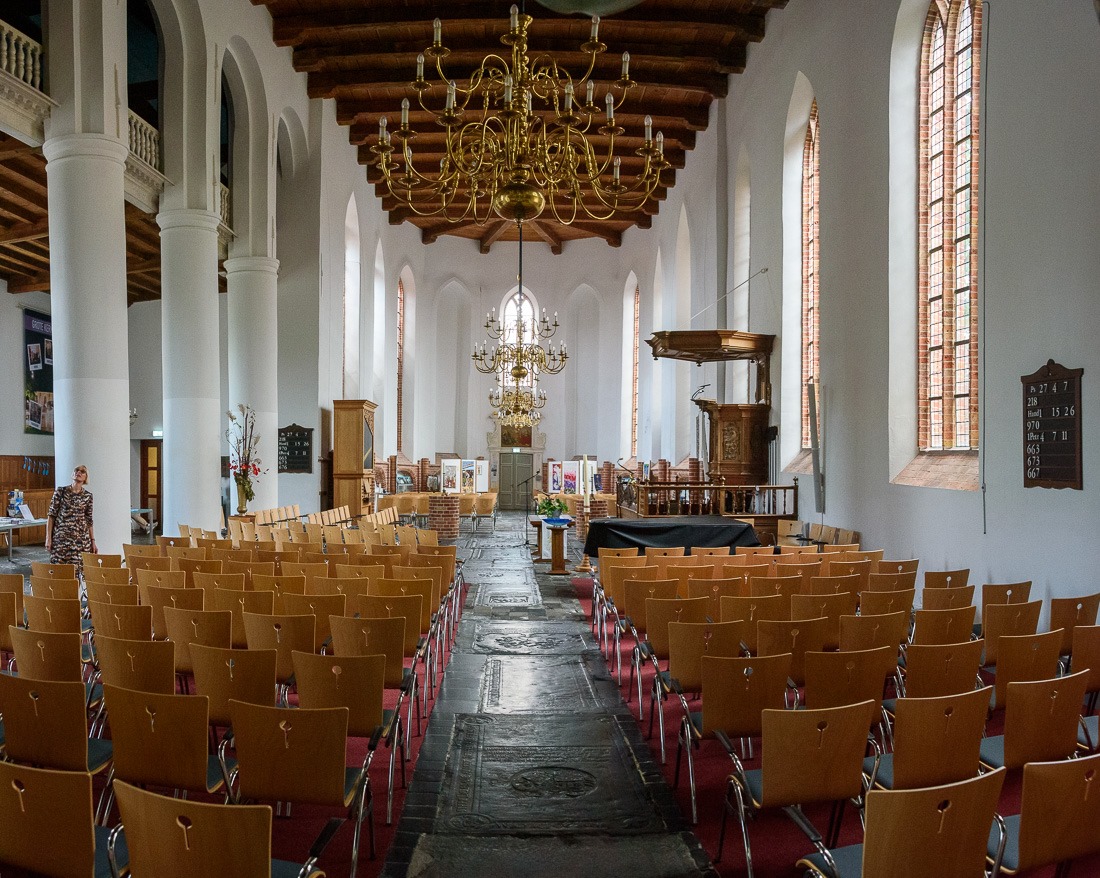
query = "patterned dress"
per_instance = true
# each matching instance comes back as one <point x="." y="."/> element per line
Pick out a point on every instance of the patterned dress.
<point x="72" y="521"/>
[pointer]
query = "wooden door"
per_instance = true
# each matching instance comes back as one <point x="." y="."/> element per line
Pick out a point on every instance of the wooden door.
<point x="152" y="451"/>
<point x="515" y="471"/>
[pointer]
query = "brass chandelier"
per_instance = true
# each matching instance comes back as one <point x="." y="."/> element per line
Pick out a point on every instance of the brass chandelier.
<point x="518" y="358"/>
<point x="522" y="133"/>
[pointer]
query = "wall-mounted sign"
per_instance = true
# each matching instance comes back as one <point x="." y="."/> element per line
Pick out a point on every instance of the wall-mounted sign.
<point x="295" y="449"/>
<point x="1052" y="427"/>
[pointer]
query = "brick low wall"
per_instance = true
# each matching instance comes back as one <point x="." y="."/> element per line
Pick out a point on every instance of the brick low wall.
<point x="443" y="515"/>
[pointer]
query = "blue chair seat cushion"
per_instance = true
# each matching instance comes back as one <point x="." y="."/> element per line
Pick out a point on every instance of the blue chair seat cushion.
<point x="849" y="861"/>
<point x="1011" y="858"/>
<point x="992" y="751"/>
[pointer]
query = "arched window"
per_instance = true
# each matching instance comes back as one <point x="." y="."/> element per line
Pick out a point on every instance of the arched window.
<point x="634" y="374"/>
<point x="400" y="361"/>
<point x="811" y="270"/>
<point x="947" y="319"/>
<point x="508" y="322"/>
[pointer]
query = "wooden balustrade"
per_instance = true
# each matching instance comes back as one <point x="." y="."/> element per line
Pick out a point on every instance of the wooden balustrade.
<point x="705" y="498"/>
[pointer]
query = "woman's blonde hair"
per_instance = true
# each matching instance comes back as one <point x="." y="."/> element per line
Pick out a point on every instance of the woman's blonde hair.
<point x="83" y="469"/>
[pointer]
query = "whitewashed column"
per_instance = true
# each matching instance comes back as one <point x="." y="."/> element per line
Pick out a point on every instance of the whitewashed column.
<point x="252" y="283"/>
<point x="84" y="181"/>
<point x="193" y="419"/>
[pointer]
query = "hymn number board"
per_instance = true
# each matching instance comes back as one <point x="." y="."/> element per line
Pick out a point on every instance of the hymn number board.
<point x="295" y="449"/>
<point x="1052" y="427"/>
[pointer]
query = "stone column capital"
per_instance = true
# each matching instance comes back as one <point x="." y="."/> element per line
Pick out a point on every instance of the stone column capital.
<point x="265" y="264"/>
<point x="68" y="146"/>
<point x="188" y="218"/>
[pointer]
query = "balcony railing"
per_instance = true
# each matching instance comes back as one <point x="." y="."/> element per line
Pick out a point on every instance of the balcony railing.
<point x="703" y="498"/>
<point x="20" y="56"/>
<point x="144" y="141"/>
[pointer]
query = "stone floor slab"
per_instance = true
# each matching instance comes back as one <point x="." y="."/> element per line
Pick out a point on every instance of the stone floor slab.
<point x="521" y="684"/>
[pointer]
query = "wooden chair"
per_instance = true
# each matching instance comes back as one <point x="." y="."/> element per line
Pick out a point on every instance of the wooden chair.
<point x="1069" y="613"/>
<point x="215" y="835"/>
<point x="828" y="606"/>
<point x="1059" y="813"/>
<point x="955" y="823"/>
<point x="224" y="675"/>
<point x="356" y="682"/>
<point x="832" y="585"/>
<point x="908" y="566"/>
<point x="1041" y="718"/>
<point x="631" y="612"/>
<point x="783" y="587"/>
<point x="111" y="592"/>
<point x="775" y="637"/>
<point x="53" y="614"/>
<point x="869" y="631"/>
<point x="48" y="655"/>
<point x="807" y="757"/>
<point x="205" y="627"/>
<point x="837" y="678"/>
<point x="159" y="597"/>
<point x="946" y="578"/>
<point x="224" y="555"/>
<point x="298" y="755"/>
<point x="684" y="574"/>
<point x="191" y="566"/>
<point x="237" y="603"/>
<point x="1024" y="658"/>
<point x="426" y="623"/>
<point x="665" y="551"/>
<point x="1086" y="656"/>
<point x="95" y="561"/>
<point x="321" y="606"/>
<point x="947" y="598"/>
<point x="126" y="621"/>
<point x="891" y="581"/>
<point x="806" y="568"/>
<point x="55" y="587"/>
<point x="935" y="670"/>
<point x="735" y="692"/>
<point x="709" y="551"/>
<point x="39" y="806"/>
<point x="861" y="568"/>
<point x="45" y="570"/>
<point x="162" y="578"/>
<point x="715" y="590"/>
<point x="279" y="585"/>
<point x="1012" y="620"/>
<point x="8" y="619"/>
<point x="284" y="634"/>
<point x="943" y="626"/>
<point x="876" y="603"/>
<point x="106" y="576"/>
<point x="753" y="610"/>
<point x="1005" y="593"/>
<point x="139" y="665"/>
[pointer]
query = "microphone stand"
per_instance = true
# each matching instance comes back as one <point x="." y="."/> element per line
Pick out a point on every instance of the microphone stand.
<point x="527" y="508"/>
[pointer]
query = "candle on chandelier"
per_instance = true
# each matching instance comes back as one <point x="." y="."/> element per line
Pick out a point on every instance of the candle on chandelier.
<point x="595" y="27"/>
<point x="590" y="94"/>
<point x="451" y="95"/>
<point x="615" y="171"/>
<point x="513" y="18"/>
<point x="610" y="101"/>
<point x="569" y="97"/>
<point x="437" y="32"/>
<point x="382" y="129"/>
<point x="648" y="129"/>
<point x="404" y="112"/>
<point x="660" y="143"/>
<point x="420" y="67"/>
<point x="626" y="65"/>
<point x="508" y="89"/>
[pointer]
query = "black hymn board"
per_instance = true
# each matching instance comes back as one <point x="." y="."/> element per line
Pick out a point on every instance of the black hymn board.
<point x="1052" y="427"/>
<point x="295" y="449"/>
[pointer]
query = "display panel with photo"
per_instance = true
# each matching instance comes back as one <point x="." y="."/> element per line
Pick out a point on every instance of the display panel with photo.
<point x="450" y="471"/>
<point x="570" y="477"/>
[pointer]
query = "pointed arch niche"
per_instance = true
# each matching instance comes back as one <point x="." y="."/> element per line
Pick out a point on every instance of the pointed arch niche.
<point x="349" y="384"/>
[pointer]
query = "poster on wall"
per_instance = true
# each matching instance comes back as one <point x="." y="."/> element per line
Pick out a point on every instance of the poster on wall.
<point x="467" y="477"/>
<point x="481" y="476"/>
<point x="555" y="478"/>
<point x="450" y="476"/>
<point x="37" y="373"/>
<point x="570" y="477"/>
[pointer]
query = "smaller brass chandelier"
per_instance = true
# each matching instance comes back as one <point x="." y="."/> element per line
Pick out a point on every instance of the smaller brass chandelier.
<point x="520" y="135"/>
<point x="518" y="358"/>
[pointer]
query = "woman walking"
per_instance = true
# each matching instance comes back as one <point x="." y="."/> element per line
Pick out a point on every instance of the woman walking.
<point x="69" y="528"/>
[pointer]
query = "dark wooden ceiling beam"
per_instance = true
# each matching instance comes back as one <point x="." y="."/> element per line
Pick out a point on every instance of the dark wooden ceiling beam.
<point x="547" y="234"/>
<point x="29" y="283"/>
<point x="494" y="234"/>
<point x="14" y="149"/>
<point x="32" y="231"/>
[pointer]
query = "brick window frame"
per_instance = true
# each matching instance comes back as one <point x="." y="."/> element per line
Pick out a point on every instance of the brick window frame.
<point x="947" y="319"/>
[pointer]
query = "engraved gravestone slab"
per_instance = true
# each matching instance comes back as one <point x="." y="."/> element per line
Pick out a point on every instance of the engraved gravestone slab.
<point x="542" y="776"/>
<point x="495" y="597"/>
<point x="521" y="684"/>
<point x="530" y="638"/>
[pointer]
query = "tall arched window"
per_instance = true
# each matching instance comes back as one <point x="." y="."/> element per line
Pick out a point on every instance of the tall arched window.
<point x="400" y="361"/>
<point x="508" y="322"/>
<point x="811" y="270"/>
<point x="634" y="375"/>
<point x="947" y="318"/>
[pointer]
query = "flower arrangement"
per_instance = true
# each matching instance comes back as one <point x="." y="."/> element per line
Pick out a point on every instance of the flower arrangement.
<point x="244" y="464"/>
<point x="551" y="507"/>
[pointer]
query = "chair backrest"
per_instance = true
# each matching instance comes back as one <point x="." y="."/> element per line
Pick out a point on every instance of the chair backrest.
<point x="753" y="610"/>
<point x="424" y="571"/>
<point x="13" y="583"/>
<point x="1025" y="657"/>
<point x="290" y="755"/>
<point x="615" y="568"/>
<point x="936" y="740"/>
<point x="45" y="722"/>
<point x="715" y="589"/>
<point x="689" y="642"/>
<point x="905" y="826"/>
<point x="836" y="678"/>
<point x="8" y="619"/>
<point x="875" y="603"/>
<point x="206" y="627"/>
<point x="279" y="584"/>
<point x="665" y="564"/>
<point x="191" y="566"/>
<point x="862" y="569"/>
<point x="282" y="633"/>
<point x="908" y="566"/>
<point x="829" y="606"/>
<point x="1012" y="620"/>
<point x="95" y="561"/>
<point x="661" y="612"/>
<point x="774" y="637"/>
<point x="1059" y="812"/>
<point x="710" y="551"/>
<point x="1005" y="593"/>
<point x="1041" y="718"/>
<point x="229" y="581"/>
<point x="133" y="550"/>
<point x="891" y="581"/>
<point x="1086" y="653"/>
<point x="943" y="626"/>
<point x="127" y="621"/>
<point x="185" y="553"/>
<point x="141" y="665"/>
<point x="813" y="755"/>
<point x="215" y="835"/>
<point x="47" y="655"/>
<point x="936" y="669"/>
<point x="783" y="586"/>
<point x="320" y="605"/>
<point x="423" y="587"/>
<point x="159" y="739"/>
<point x="832" y="584"/>
<point x="237" y="603"/>
<point x="737" y="690"/>
<point x="55" y="587"/>
<point x="121" y="592"/>
<point x="106" y="576"/>
<point x="53" y="614"/>
<point x="869" y="631"/>
<point x="406" y="607"/>
<point x="946" y="578"/>
<point x="223" y="675"/>
<point x="635" y="593"/>
<point x="1069" y="613"/>
<point x="162" y="578"/>
<point x="804" y="566"/>
<point x="47" y="570"/>
<point x="684" y="574"/>
<point x="666" y="551"/>
<point x="38" y="806"/>
<point x="158" y="598"/>
<point x="947" y="598"/>
<point x="352" y="681"/>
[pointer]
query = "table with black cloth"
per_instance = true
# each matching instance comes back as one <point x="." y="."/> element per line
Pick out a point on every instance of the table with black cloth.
<point x="710" y="531"/>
